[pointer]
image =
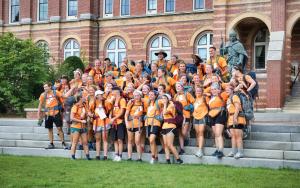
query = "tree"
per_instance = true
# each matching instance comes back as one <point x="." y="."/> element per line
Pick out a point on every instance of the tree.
<point x="70" y="65"/>
<point x="22" y="71"/>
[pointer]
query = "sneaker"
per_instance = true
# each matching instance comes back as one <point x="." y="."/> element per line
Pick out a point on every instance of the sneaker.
<point x="118" y="159"/>
<point x="179" y="161"/>
<point x="64" y="145"/>
<point x="88" y="158"/>
<point x="215" y="153"/>
<point x="97" y="158"/>
<point x="199" y="153"/>
<point x="129" y="159"/>
<point x="151" y="161"/>
<point x="238" y="155"/>
<point x="105" y="158"/>
<point x="115" y="158"/>
<point x="231" y="154"/>
<point x="168" y="161"/>
<point x="50" y="146"/>
<point x="181" y="152"/>
<point x="220" y="154"/>
<point x="162" y="151"/>
<point x="139" y="160"/>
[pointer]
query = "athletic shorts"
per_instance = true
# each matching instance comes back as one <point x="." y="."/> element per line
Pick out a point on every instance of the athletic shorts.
<point x="49" y="120"/>
<point x="133" y="130"/>
<point x="221" y="118"/>
<point x="187" y="120"/>
<point x="100" y="129"/>
<point x="152" y="130"/>
<point x="117" y="132"/>
<point x="167" y="131"/>
<point x="80" y="131"/>
<point x="239" y="126"/>
<point x="198" y="122"/>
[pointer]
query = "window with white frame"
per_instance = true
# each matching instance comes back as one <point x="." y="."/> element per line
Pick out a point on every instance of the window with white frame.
<point x="44" y="45"/>
<point x="108" y="8"/>
<point x="169" y="5"/>
<point x="71" y="48"/>
<point x="159" y="42"/>
<point x="72" y="9"/>
<point x="151" y="6"/>
<point x="125" y="7"/>
<point x="203" y="44"/>
<point x="261" y="42"/>
<point x="42" y="10"/>
<point x="14" y="8"/>
<point x="116" y="51"/>
<point x="198" y="4"/>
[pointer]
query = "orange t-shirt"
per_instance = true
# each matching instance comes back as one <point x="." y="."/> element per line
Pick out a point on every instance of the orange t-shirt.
<point x="231" y="110"/>
<point x="136" y="111"/>
<point x="215" y="104"/>
<point x="99" y="120"/>
<point x="96" y="74"/>
<point x="50" y="102"/>
<point x="76" y="83"/>
<point x="117" y="110"/>
<point x="154" y="108"/>
<point x="79" y="112"/>
<point x="169" y="114"/>
<point x="185" y="99"/>
<point x="200" y="108"/>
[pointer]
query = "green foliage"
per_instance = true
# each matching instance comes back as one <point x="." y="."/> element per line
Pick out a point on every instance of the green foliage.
<point x="22" y="71"/>
<point x="69" y="66"/>
<point x="32" y="104"/>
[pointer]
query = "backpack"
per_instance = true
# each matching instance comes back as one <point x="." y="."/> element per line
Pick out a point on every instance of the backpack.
<point x="178" y="119"/>
<point x="247" y="106"/>
<point x="253" y="92"/>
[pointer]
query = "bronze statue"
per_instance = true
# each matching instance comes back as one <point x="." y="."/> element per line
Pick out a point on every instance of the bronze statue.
<point x="236" y="53"/>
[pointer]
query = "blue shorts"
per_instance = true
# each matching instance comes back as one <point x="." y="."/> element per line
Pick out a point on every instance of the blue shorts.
<point x="80" y="131"/>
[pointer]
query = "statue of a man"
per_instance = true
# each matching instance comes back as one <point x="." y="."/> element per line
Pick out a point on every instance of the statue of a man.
<point x="236" y="53"/>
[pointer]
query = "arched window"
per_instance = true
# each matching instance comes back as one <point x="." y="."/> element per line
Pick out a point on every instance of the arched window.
<point x="261" y="42"/>
<point x="44" y="45"/>
<point x="71" y="48"/>
<point x="203" y="44"/>
<point x="116" y="51"/>
<point x="159" y="42"/>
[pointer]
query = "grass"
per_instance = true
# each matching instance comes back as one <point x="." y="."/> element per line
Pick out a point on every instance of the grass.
<point x="60" y="172"/>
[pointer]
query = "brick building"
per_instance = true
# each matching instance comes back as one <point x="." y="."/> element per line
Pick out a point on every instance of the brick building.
<point x="269" y="29"/>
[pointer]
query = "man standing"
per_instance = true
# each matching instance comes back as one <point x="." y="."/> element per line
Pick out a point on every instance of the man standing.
<point x="161" y="62"/>
<point x="237" y="54"/>
<point x="219" y="64"/>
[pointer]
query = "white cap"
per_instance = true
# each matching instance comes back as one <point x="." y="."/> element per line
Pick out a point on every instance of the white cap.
<point x="99" y="92"/>
<point x="168" y="96"/>
<point x="138" y="92"/>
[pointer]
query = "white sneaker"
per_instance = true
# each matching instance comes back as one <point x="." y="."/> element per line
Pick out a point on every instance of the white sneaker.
<point x="152" y="161"/>
<point x="238" y="155"/>
<point x="118" y="159"/>
<point x="199" y="153"/>
<point x="231" y="154"/>
<point x="115" y="158"/>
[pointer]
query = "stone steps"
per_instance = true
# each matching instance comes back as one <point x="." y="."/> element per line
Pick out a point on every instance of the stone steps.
<point x="188" y="159"/>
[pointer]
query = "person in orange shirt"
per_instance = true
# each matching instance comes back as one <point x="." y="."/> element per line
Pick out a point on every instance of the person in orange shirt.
<point x="161" y="62"/>
<point x="200" y="111"/>
<point x="164" y="79"/>
<point x="116" y="117"/>
<point x="78" y="127"/>
<point x="219" y="64"/>
<point x="76" y="82"/>
<point x="134" y="123"/>
<point x="128" y="91"/>
<point x="101" y="124"/>
<point x="217" y="114"/>
<point x="154" y="69"/>
<point x="51" y="101"/>
<point x="168" y="129"/>
<point x="235" y="122"/>
<point x="108" y="66"/>
<point x="153" y="120"/>
<point x="172" y="66"/>
<point x="187" y="100"/>
<point x="97" y="73"/>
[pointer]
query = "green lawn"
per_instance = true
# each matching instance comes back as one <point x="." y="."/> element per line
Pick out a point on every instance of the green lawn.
<point x="60" y="172"/>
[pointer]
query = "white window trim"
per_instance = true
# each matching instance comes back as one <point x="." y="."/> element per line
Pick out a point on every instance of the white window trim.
<point x="160" y="47"/>
<point x="200" y="8"/>
<point x="121" y="9"/>
<point x="151" y="11"/>
<point x="70" y="50"/>
<point x="71" y="17"/>
<point x="38" y="12"/>
<point x="112" y="10"/>
<point x="207" y="46"/>
<point x="9" y="3"/>
<point x="44" y="41"/>
<point x="116" y="51"/>
<point x="165" y="7"/>
<point x="266" y="44"/>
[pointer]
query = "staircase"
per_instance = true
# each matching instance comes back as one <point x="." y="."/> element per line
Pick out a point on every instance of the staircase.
<point x="270" y="145"/>
<point x="293" y="103"/>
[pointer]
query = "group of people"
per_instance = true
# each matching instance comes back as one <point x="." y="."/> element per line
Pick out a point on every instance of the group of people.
<point x="127" y="105"/>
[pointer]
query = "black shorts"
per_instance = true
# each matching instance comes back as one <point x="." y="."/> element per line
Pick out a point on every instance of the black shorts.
<point x="221" y="118"/>
<point x="49" y="120"/>
<point x="152" y="130"/>
<point x="117" y="132"/>
<point x="167" y="131"/>
<point x="133" y="130"/>
<point x="239" y="126"/>
<point x="187" y="120"/>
